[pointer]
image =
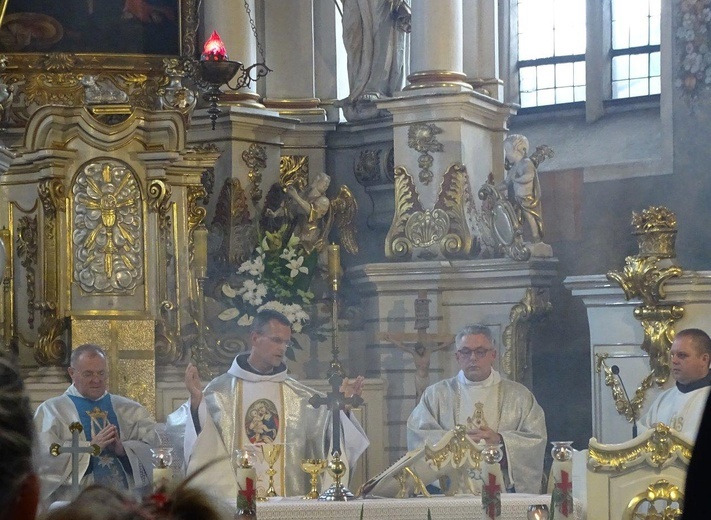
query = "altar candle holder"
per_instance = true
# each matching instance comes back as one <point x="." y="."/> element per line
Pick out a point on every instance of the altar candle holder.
<point x="162" y="458"/>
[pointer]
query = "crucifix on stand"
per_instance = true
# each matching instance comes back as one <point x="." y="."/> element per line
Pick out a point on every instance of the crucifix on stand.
<point x="420" y="345"/>
<point x="336" y="399"/>
<point x="74" y="451"/>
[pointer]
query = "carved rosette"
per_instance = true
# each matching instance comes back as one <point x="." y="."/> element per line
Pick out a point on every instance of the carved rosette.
<point x="660" y="500"/>
<point x="367" y="168"/>
<point x="27" y="253"/>
<point x="108" y="229"/>
<point x="256" y="159"/>
<point x="422" y="137"/>
<point x="534" y="306"/>
<point x="434" y="232"/>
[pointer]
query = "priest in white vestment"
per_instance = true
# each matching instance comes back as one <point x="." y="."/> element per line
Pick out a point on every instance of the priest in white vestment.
<point x="492" y="409"/>
<point x="256" y="404"/>
<point x="682" y="406"/>
<point x="122" y="428"/>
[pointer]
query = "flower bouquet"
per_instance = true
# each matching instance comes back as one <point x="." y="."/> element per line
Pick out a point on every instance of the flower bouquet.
<point x="277" y="276"/>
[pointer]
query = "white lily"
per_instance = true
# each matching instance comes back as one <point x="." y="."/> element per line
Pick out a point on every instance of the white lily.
<point x="296" y="267"/>
<point x="228" y="314"/>
<point x="228" y="291"/>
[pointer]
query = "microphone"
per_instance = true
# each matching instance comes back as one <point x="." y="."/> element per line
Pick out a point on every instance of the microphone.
<point x="616" y="370"/>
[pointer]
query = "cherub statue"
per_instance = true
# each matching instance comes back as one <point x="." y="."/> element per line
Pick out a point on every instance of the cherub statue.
<point x="522" y="184"/>
<point x="315" y="214"/>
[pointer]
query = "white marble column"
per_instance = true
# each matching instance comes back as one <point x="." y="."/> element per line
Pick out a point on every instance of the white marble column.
<point x="231" y="21"/>
<point x="436" y="54"/>
<point x="480" y="36"/>
<point x="290" y="88"/>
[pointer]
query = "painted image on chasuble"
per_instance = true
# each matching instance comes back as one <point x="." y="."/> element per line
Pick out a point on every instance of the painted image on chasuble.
<point x="262" y="422"/>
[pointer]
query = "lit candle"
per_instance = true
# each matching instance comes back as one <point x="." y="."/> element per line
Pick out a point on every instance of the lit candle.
<point x="214" y="48"/>
<point x="246" y="477"/>
<point x="200" y="251"/>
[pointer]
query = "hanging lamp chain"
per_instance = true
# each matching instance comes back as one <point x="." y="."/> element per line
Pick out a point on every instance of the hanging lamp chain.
<point x="254" y="29"/>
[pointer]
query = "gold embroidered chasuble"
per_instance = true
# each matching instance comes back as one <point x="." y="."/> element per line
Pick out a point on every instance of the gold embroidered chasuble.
<point x="241" y="409"/>
<point x="505" y="406"/>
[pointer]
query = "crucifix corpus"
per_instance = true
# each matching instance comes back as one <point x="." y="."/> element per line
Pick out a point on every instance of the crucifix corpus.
<point x="74" y="451"/>
<point x="420" y="345"/>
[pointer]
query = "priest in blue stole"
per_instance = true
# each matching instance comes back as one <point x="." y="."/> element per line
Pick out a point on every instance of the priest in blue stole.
<point x="123" y="429"/>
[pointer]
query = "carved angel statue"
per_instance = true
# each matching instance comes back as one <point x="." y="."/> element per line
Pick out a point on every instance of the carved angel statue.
<point x="522" y="180"/>
<point x="315" y="214"/>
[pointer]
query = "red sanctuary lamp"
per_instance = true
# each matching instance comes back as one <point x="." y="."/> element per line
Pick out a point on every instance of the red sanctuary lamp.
<point x="217" y="70"/>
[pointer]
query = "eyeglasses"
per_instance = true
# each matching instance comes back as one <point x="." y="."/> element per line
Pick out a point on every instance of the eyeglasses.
<point x="479" y="353"/>
<point x="279" y="341"/>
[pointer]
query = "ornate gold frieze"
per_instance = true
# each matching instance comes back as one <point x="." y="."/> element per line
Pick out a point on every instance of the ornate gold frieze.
<point x="442" y="230"/>
<point x="660" y="501"/>
<point x="27" y="253"/>
<point x="422" y="137"/>
<point x="50" y="349"/>
<point x="534" y="306"/>
<point x="656" y="448"/>
<point x="255" y="157"/>
<point x="108" y="228"/>
<point x="294" y="171"/>
<point x="643" y="278"/>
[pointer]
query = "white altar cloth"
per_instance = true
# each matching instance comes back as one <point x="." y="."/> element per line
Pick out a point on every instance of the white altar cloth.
<point x="514" y="506"/>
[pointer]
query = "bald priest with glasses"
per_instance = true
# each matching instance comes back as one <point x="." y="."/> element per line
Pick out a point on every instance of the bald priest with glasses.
<point x="255" y="405"/>
<point x="493" y="410"/>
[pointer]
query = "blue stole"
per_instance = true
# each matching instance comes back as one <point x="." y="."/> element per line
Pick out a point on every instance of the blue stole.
<point x="94" y="416"/>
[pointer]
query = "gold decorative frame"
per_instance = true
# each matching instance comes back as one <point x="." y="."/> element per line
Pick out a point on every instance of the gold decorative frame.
<point x="38" y="79"/>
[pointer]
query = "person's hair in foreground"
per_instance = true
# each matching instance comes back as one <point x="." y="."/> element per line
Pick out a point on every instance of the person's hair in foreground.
<point x="103" y="503"/>
<point x="19" y="485"/>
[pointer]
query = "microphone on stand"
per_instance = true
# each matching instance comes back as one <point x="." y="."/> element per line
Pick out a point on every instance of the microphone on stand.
<point x="616" y="370"/>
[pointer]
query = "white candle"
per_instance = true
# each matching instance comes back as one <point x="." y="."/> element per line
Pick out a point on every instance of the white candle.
<point x="242" y="474"/>
<point x="162" y="476"/>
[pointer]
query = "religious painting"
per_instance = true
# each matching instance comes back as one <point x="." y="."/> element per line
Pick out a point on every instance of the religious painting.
<point x="92" y="27"/>
<point x="262" y="422"/>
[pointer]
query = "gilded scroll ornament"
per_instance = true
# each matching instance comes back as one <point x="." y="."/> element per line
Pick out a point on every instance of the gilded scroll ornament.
<point x="108" y="229"/>
<point x="207" y="179"/>
<point x="159" y="193"/>
<point x="439" y="231"/>
<point x="422" y="137"/>
<point x="255" y="157"/>
<point x="660" y="501"/>
<point x="294" y="170"/>
<point x="661" y="445"/>
<point x="629" y="408"/>
<point x="196" y="213"/>
<point x="643" y="278"/>
<point x="167" y="340"/>
<point x="53" y="196"/>
<point x="27" y="253"/>
<point x="534" y="306"/>
<point x="50" y="349"/>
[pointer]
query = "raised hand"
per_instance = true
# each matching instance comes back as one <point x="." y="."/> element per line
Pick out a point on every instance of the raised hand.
<point x="485" y="434"/>
<point x="352" y="387"/>
<point x="194" y="385"/>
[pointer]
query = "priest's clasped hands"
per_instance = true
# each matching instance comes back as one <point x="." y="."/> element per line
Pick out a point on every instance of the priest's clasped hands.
<point x="485" y="434"/>
<point x="108" y="440"/>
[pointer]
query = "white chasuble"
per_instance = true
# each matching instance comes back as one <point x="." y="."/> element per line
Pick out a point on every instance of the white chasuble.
<point x="241" y="408"/>
<point x="505" y="406"/>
